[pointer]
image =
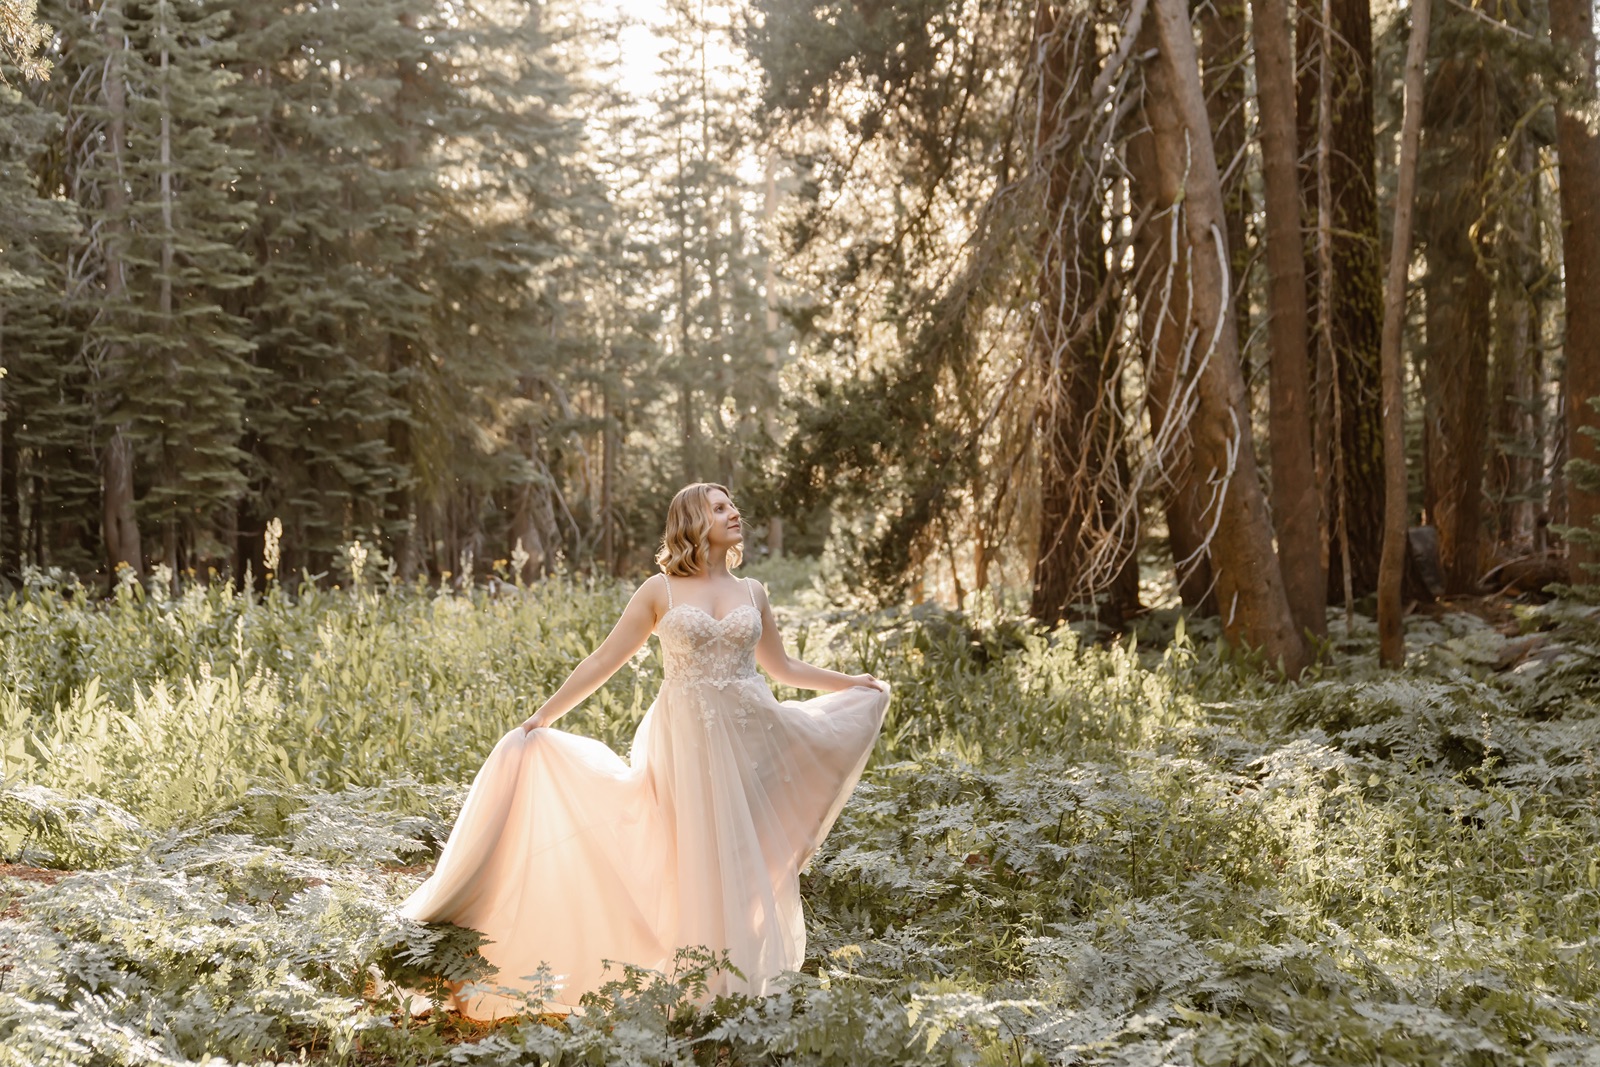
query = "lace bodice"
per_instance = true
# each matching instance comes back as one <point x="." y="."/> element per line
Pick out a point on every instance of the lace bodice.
<point x="696" y="647"/>
<point x="704" y="654"/>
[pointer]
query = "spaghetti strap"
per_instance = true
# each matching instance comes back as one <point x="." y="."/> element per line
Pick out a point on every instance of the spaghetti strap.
<point x="668" y="579"/>
<point x="752" y="592"/>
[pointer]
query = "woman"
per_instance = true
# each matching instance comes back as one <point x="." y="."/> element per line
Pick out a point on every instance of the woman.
<point x="565" y="855"/>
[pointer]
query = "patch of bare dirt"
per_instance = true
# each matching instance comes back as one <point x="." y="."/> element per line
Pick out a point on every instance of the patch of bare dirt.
<point x="12" y="907"/>
<point x="32" y="874"/>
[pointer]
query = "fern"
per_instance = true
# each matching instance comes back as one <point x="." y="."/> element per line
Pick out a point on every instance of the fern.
<point x="1060" y="854"/>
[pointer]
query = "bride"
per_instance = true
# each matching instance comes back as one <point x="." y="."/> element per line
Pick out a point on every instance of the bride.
<point x="566" y="855"/>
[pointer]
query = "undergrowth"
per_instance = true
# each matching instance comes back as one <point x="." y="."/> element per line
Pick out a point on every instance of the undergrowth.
<point x="1139" y="854"/>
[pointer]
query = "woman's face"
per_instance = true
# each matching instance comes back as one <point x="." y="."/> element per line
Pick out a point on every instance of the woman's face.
<point x="726" y="529"/>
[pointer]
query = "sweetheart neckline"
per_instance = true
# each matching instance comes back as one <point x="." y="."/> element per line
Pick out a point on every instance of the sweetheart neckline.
<point x="706" y="613"/>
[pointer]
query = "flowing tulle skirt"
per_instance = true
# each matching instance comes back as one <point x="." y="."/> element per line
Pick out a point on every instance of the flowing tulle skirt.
<point x="566" y="855"/>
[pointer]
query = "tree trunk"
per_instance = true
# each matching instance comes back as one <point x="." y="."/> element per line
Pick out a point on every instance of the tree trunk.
<point x="608" y="468"/>
<point x="1516" y="368"/>
<point x="35" y="550"/>
<point x="121" y="531"/>
<point x="169" y="471"/>
<point x="1459" y="136"/>
<point x="1572" y="29"/>
<point x="688" y="422"/>
<point x="1079" y="437"/>
<point x="1295" y="504"/>
<point x="1396" y="513"/>
<point x="769" y="279"/>
<point x="120" y="528"/>
<point x="1250" y="590"/>
<point x="249" y="542"/>
<point x="401" y="354"/>
<point x="689" y="443"/>
<point x="1345" y="280"/>
<point x="402" y="504"/>
<point x="725" y="447"/>
<point x="10" y="478"/>
<point x="534" y="518"/>
<point x="1163" y="326"/>
<point x="1222" y="57"/>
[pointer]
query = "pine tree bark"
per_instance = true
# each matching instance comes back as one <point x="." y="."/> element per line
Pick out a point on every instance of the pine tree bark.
<point x="1222" y="58"/>
<point x="1458" y="140"/>
<point x="608" y="467"/>
<point x="1163" y="326"/>
<point x="169" y="472"/>
<point x="120" y="529"/>
<point x="1345" y="335"/>
<point x="116" y="479"/>
<point x="249" y="542"/>
<point x="1516" y="368"/>
<point x="1250" y="590"/>
<point x="688" y="418"/>
<point x="1396" y="513"/>
<point x="1296" y="509"/>
<point x="534" y="519"/>
<point x="402" y="505"/>
<point x="1079" y="437"/>
<point x="399" y="354"/>
<point x="1572" y="30"/>
<point x="10" y="476"/>
<point x="725" y="446"/>
<point x="769" y="311"/>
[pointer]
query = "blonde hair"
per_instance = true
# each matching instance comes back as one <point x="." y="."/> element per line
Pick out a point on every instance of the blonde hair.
<point x="686" y="545"/>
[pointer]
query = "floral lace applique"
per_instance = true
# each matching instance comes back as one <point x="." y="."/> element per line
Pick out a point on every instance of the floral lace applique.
<point x="702" y="653"/>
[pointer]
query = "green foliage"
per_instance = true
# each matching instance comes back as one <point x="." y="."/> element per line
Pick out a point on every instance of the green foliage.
<point x="210" y="945"/>
<point x="43" y="405"/>
<point x="900" y="119"/>
<point x="329" y="264"/>
<point x="1061" y="853"/>
<point x="723" y="363"/>
<point x="22" y="35"/>
<point x="175" y="707"/>
<point x="393" y="270"/>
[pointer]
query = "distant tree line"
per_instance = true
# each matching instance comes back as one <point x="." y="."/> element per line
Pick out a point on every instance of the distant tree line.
<point x="400" y="272"/>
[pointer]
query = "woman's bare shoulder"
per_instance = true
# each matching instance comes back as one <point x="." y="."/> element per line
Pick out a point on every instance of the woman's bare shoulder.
<point x="652" y="590"/>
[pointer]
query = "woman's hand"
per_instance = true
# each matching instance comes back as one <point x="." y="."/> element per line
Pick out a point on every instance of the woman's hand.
<point x="533" y="722"/>
<point x="870" y="682"/>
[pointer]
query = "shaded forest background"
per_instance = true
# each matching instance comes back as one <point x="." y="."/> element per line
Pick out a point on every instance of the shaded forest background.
<point x="1080" y="302"/>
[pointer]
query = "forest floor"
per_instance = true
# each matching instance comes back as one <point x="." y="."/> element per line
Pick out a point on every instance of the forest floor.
<point x="1141" y="853"/>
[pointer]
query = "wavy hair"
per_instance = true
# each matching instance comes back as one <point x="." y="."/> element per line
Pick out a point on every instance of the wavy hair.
<point x="686" y="545"/>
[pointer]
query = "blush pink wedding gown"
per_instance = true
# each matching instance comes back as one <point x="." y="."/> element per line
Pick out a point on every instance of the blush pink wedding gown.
<point x="565" y="854"/>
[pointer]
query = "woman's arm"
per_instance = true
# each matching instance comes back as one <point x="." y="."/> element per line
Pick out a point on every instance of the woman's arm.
<point x="631" y="631"/>
<point x="786" y="670"/>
